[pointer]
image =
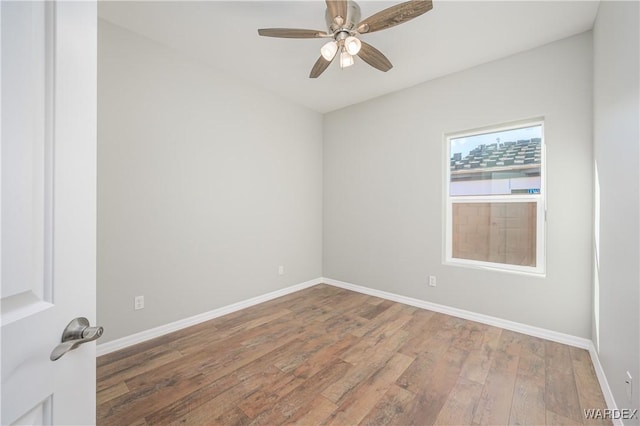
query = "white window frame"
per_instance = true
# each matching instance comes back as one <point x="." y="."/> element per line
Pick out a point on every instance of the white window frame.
<point x="539" y="199"/>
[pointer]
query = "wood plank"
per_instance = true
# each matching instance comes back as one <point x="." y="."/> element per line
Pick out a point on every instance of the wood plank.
<point x="241" y="376"/>
<point x="137" y="405"/>
<point x="470" y="336"/>
<point x="590" y="395"/>
<point x="478" y="362"/>
<point x="265" y="397"/>
<point x="459" y="408"/>
<point x="528" y="406"/>
<point x="234" y="416"/>
<point x="388" y="329"/>
<point x="553" y="418"/>
<point x="211" y="409"/>
<point x="534" y="345"/>
<point x="252" y="377"/>
<point x="390" y="314"/>
<point x="425" y="366"/>
<point x="157" y="342"/>
<point x="391" y="407"/>
<point x="107" y="394"/>
<point x="227" y="392"/>
<point x="314" y="414"/>
<point x="220" y="360"/>
<point x="207" y="338"/>
<point x="361" y="401"/>
<point x="342" y="324"/>
<point x="561" y="394"/>
<point x="345" y="302"/>
<point x="307" y="349"/>
<point x="388" y="342"/>
<point x="418" y="321"/>
<point x="301" y="400"/>
<point x="426" y="338"/>
<point x="433" y="395"/>
<point x="375" y="359"/>
<point x="140" y="363"/>
<point x="494" y="406"/>
<point x="370" y="311"/>
<point x="325" y="356"/>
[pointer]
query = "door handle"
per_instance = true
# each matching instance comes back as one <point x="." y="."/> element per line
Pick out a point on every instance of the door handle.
<point x="76" y="333"/>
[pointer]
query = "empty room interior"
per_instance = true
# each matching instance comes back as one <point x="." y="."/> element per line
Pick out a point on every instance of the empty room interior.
<point x="440" y="229"/>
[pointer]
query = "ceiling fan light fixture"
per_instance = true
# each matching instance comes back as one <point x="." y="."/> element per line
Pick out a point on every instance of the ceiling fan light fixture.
<point x="344" y="26"/>
<point x="328" y="51"/>
<point x="353" y="45"/>
<point x="346" y="60"/>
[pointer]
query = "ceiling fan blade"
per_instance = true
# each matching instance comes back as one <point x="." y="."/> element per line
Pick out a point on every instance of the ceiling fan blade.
<point x="374" y="57"/>
<point x="319" y="67"/>
<point x="337" y="8"/>
<point x="290" y="33"/>
<point x="394" y="15"/>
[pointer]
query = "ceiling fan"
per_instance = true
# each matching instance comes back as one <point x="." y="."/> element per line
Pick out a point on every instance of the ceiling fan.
<point x="344" y="27"/>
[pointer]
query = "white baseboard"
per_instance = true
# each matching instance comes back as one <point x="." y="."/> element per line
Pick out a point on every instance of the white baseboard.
<point x="554" y="336"/>
<point x="604" y="384"/>
<point x="114" y="345"/>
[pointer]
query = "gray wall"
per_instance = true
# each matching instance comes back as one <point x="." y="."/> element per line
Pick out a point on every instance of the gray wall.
<point x="205" y="186"/>
<point x="616" y="39"/>
<point x="383" y="186"/>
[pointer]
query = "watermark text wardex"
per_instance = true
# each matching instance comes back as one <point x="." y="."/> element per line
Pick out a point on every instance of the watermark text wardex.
<point x="605" y="413"/>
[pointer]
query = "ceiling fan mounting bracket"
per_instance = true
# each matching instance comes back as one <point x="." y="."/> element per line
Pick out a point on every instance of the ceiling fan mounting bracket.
<point x="341" y="23"/>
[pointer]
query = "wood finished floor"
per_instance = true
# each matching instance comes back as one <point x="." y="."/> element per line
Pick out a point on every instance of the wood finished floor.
<point x="326" y="355"/>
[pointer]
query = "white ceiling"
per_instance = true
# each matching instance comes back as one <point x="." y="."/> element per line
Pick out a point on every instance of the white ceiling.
<point x="455" y="35"/>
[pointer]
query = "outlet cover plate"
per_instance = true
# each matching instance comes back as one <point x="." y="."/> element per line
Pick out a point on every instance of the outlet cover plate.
<point x="138" y="302"/>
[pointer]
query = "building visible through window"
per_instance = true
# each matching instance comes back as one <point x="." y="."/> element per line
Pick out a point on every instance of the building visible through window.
<point x="495" y="198"/>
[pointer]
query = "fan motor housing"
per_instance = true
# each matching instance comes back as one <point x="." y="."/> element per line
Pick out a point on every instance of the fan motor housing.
<point x="351" y="20"/>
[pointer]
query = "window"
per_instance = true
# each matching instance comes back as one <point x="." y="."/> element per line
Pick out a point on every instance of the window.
<point x="495" y="210"/>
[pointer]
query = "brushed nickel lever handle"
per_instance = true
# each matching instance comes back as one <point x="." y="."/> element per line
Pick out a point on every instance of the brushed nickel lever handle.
<point x="76" y="333"/>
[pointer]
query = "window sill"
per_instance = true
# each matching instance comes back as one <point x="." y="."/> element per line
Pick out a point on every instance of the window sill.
<point x="497" y="267"/>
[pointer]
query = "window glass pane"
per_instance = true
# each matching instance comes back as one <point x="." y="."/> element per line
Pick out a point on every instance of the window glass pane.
<point x="496" y="163"/>
<point x="495" y="232"/>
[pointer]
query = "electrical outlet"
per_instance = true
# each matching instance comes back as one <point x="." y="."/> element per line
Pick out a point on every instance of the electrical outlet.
<point x="432" y="280"/>
<point x="280" y="270"/>
<point x="138" y="302"/>
<point x="628" y="380"/>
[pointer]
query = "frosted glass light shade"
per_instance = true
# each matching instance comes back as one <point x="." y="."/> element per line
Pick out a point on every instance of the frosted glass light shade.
<point x="353" y="45"/>
<point x="328" y="51"/>
<point x="346" y="60"/>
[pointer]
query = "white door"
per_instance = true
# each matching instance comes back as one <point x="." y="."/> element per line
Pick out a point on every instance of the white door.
<point x="48" y="181"/>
